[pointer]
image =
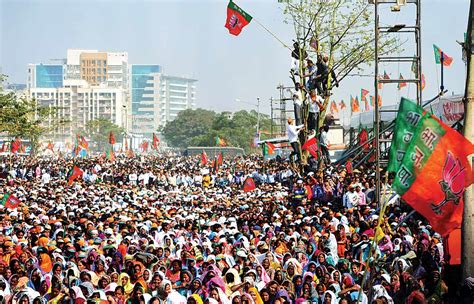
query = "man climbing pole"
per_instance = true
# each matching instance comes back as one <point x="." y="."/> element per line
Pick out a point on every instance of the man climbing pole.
<point x="292" y="131"/>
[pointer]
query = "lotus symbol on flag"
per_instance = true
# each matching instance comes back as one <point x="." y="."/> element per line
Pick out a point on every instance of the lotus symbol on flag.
<point x="454" y="177"/>
<point x="234" y="20"/>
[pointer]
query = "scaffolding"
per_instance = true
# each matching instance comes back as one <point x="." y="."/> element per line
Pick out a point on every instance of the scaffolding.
<point x="279" y="111"/>
<point x="382" y="137"/>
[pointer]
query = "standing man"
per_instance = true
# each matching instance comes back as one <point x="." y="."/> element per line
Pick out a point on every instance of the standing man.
<point x="316" y="104"/>
<point x="311" y="75"/>
<point x="325" y="144"/>
<point x="299" y="97"/>
<point x="292" y="130"/>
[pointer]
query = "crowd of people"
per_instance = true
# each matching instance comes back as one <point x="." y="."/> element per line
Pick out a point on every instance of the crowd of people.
<point x="165" y="229"/>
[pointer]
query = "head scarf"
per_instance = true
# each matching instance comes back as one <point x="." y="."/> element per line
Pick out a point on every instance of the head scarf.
<point x="128" y="287"/>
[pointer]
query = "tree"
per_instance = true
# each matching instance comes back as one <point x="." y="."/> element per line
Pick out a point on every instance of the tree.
<point x="339" y="28"/>
<point x="188" y="125"/>
<point x="23" y="118"/>
<point x="98" y="131"/>
<point x="202" y="127"/>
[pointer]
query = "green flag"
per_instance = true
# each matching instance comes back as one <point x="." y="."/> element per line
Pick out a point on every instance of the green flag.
<point x="409" y="115"/>
<point x="434" y="173"/>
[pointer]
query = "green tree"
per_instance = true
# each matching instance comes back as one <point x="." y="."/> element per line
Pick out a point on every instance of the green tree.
<point x="189" y="128"/>
<point x="341" y="29"/>
<point x="201" y="128"/>
<point x="24" y="118"/>
<point x="98" y="131"/>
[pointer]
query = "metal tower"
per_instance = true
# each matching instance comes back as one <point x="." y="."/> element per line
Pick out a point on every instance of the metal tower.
<point x="382" y="140"/>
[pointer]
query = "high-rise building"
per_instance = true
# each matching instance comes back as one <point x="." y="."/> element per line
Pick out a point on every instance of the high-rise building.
<point x="177" y="94"/>
<point x="157" y="98"/>
<point x="98" y="67"/>
<point x="78" y="103"/>
<point x="91" y="84"/>
<point x="145" y="105"/>
<point x="45" y="75"/>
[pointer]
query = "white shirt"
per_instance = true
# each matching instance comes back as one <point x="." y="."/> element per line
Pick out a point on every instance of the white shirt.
<point x="292" y="132"/>
<point x="298" y="97"/>
<point x="314" y="107"/>
<point x="45" y="178"/>
<point x="324" y="139"/>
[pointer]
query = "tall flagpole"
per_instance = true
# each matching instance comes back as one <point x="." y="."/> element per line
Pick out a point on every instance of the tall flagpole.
<point x="467" y="246"/>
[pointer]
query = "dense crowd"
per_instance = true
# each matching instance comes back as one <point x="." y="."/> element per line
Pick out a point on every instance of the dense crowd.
<point x="164" y="229"/>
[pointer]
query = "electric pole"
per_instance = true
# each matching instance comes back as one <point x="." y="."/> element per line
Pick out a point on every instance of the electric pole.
<point x="467" y="246"/>
<point x="258" y="117"/>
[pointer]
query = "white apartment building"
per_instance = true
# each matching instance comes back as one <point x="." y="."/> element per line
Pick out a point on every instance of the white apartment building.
<point x="78" y="103"/>
<point x="157" y="98"/>
<point x="89" y="84"/>
<point x="177" y="94"/>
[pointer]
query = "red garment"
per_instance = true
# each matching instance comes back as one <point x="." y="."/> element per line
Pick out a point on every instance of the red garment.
<point x="122" y="248"/>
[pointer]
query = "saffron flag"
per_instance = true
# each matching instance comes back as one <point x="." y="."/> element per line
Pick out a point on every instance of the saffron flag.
<point x="401" y="84"/>
<point x="204" y="158"/>
<point x="15" y="145"/>
<point x="220" y="159"/>
<point x="438" y="53"/>
<point x="423" y="81"/>
<point x="249" y="184"/>
<point x="144" y="146"/>
<point x="311" y="146"/>
<point x="380" y="85"/>
<point x="334" y="108"/>
<point x="110" y="155"/>
<point x="112" y="138"/>
<point x="237" y="19"/>
<point x="342" y="105"/>
<point x="355" y="105"/>
<point x="156" y="142"/>
<point x="268" y="148"/>
<point x="50" y="146"/>
<point x="82" y="142"/>
<point x="363" y="94"/>
<point x="385" y="75"/>
<point x="76" y="173"/>
<point x="363" y="97"/>
<point x="9" y="201"/>
<point x="3" y="149"/>
<point x="434" y="173"/>
<point x="372" y="100"/>
<point x="220" y="142"/>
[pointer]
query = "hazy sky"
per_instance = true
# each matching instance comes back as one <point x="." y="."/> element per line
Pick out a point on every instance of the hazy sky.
<point x="187" y="37"/>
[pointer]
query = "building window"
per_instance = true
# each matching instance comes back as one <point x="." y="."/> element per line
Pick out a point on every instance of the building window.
<point x="105" y="71"/>
<point x="93" y="62"/>
<point x="104" y="62"/>
<point x="98" y="70"/>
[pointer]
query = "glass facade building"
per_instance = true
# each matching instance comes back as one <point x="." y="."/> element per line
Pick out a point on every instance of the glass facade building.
<point x="49" y="75"/>
<point x="142" y="102"/>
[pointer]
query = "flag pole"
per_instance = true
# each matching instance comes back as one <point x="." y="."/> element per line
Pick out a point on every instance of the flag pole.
<point x="271" y="33"/>
<point x="467" y="244"/>
<point x="442" y="72"/>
